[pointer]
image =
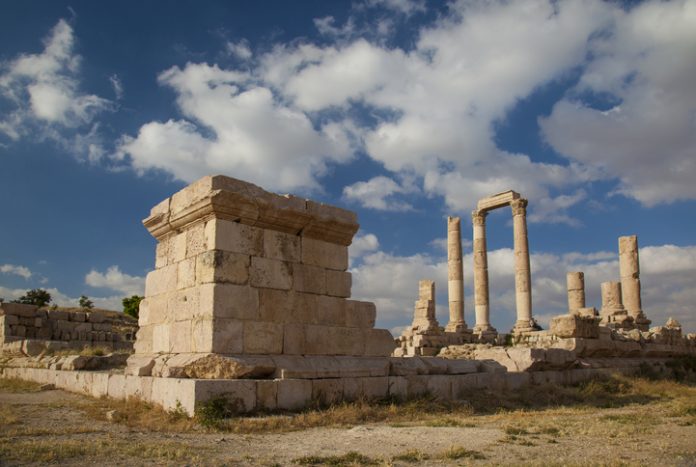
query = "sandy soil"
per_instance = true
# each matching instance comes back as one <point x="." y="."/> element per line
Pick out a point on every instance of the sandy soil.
<point x="56" y="427"/>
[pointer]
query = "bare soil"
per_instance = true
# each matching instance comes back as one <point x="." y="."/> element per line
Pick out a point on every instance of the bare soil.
<point x="656" y="425"/>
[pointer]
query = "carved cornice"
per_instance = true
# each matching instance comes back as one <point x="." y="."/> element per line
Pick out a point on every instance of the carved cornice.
<point x="220" y="197"/>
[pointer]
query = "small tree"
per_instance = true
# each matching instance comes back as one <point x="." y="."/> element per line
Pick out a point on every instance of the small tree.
<point x="38" y="297"/>
<point x="85" y="302"/>
<point x="131" y="305"/>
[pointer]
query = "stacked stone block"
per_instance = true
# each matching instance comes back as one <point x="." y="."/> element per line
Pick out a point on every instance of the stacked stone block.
<point x="240" y="271"/>
<point x="19" y="322"/>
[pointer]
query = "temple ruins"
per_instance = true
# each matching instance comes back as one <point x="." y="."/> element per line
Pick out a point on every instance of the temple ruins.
<point x="250" y="301"/>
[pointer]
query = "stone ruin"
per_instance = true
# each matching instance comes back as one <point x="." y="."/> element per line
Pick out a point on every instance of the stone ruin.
<point x="250" y="301"/>
<point x="30" y="330"/>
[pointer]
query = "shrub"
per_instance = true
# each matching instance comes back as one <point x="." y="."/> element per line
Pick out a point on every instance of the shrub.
<point x="85" y="302"/>
<point x="131" y="305"/>
<point x="38" y="297"/>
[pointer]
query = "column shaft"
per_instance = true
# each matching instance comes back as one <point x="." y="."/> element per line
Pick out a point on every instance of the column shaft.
<point x="576" y="291"/>
<point x="523" y="289"/>
<point x="455" y="276"/>
<point x="480" y="273"/>
<point x="630" y="274"/>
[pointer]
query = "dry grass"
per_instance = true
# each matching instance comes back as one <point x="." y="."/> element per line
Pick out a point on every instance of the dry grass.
<point x="515" y="411"/>
<point x="14" y="385"/>
<point x="57" y="451"/>
<point x="140" y="415"/>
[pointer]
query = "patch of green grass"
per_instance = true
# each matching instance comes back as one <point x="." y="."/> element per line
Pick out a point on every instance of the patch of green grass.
<point x="349" y="459"/>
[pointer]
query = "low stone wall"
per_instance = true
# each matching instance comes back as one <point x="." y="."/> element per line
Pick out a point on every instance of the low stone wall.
<point x="292" y="394"/>
<point x="28" y="329"/>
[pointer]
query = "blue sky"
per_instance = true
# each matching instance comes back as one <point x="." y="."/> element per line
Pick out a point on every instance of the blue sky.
<point x="402" y="110"/>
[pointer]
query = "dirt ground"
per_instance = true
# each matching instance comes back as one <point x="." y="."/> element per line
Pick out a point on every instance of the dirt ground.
<point x="644" y="423"/>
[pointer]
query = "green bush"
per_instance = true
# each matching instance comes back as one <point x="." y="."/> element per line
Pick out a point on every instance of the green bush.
<point x="38" y="297"/>
<point x="85" y="302"/>
<point x="131" y="305"/>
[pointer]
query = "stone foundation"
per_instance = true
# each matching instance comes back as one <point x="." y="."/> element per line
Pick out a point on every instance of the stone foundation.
<point x="248" y="395"/>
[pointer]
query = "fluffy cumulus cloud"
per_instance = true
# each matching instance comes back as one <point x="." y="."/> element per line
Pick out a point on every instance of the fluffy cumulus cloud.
<point x="236" y="127"/>
<point x="116" y="280"/>
<point x="645" y="69"/>
<point x="391" y="281"/>
<point x="435" y="106"/>
<point x="379" y="193"/>
<point x="21" y="271"/>
<point x="41" y="91"/>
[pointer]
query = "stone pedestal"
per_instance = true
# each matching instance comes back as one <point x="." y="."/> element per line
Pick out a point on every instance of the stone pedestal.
<point x="629" y="268"/>
<point x="241" y="271"/>
<point x="455" y="276"/>
<point x="523" y="279"/>
<point x="576" y="291"/>
<point x="481" y="305"/>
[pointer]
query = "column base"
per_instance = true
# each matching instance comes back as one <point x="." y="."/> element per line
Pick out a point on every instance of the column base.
<point x="524" y="326"/>
<point x="485" y="333"/>
<point x="641" y="321"/>
<point x="457" y="327"/>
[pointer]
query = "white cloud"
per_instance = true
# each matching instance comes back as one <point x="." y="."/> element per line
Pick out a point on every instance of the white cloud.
<point x="434" y="107"/>
<point x="406" y="7"/>
<point x="44" y="89"/>
<point x="647" y="66"/>
<point x="362" y="243"/>
<point x="22" y="271"/>
<point x="117" y="84"/>
<point x="378" y="193"/>
<point x="444" y="97"/>
<point x="235" y="128"/>
<point x="116" y="280"/>
<point x="239" y="49"/>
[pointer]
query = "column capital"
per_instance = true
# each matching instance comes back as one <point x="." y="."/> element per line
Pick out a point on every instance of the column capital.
<point x="519" y="207"/>
<point x="478" y="217"/>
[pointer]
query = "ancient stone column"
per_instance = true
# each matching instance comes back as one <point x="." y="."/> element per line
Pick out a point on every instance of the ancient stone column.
<point x="576" y="291"/>
<point x="630" y="280"/>
<point x="612" y="304"/>
<point x="523" y="289"/>
<point x="481" y="273"/>
<point x="455" y="276"/>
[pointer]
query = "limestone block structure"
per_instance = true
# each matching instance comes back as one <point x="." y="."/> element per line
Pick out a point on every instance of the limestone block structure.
<point x="523" y="288"/>
<point x="241" y="271"/>
<point x="629" y="268"/>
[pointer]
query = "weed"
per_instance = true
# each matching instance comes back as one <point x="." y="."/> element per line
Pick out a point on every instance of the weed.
<point x="515" y="431"/>
<point x="461" y="453"/>
<point x="351" y="458"/>
<point x="211" y="413"/>
<point x="413" y="455"/>
<point x="18" y="385"/>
